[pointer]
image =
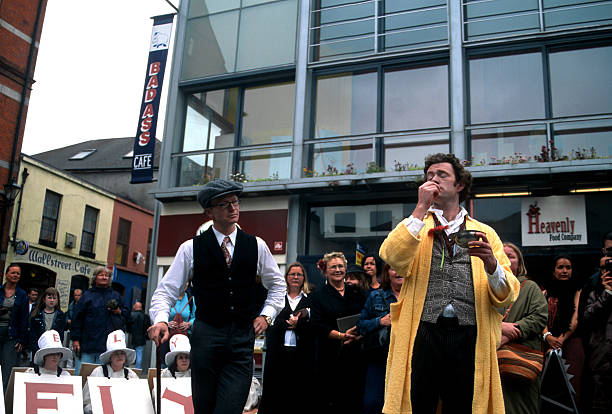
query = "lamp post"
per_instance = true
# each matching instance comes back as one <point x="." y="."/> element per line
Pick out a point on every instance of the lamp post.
<point x="11" y="191"/>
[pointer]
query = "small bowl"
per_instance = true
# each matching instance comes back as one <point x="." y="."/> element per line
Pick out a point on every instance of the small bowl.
<point x="463" y="237"/>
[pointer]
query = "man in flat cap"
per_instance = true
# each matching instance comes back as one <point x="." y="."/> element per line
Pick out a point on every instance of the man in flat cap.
<point x="224" y="261"/>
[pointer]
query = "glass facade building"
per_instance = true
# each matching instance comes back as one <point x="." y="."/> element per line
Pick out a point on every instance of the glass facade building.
<point x="332" y="105"/>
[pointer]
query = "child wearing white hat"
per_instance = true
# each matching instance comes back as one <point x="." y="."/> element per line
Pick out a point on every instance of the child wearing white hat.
<point x="114" y="360"/>
<point x="49" y="355"/>
<point x="177" y="359"/>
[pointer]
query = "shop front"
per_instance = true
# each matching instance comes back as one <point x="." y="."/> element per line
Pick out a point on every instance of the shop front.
<point x="42" y="268"/>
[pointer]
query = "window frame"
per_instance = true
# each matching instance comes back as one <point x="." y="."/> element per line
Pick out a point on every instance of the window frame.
<point x="125" y="244"/>
<point x="83" y="252"/>
<point x="55" y="220"/>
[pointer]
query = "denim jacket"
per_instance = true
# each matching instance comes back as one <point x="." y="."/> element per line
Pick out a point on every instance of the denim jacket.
<point x="374" y="309"/>
<point x="18" y="325"/>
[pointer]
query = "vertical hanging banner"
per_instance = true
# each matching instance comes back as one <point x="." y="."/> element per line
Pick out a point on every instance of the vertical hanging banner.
<point x="144" y="144"/>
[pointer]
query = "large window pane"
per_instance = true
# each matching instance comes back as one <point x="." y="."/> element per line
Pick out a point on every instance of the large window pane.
<point x="200" y="169"/>
<point x="268" y="114"/>
<point x="210" y="45"/>
<point x="345" y="104"/>
<point x="416" y="25"/>
<point x="265" y="164"/>
<point x="501" y="18"/>
<point x="211" y="120"/>
<point x="416" y="98"/>
<point x="407" y="153"/>
<point x="205" y="7"/>
<point x="328" y="227"/>
<point x="581" y="81"/>
<point x="508" y="145"/>
<point x="574" y="13"/>
<point x="341" y="157"/>
<point x="267" y="35"/>
<point x="506" y="88"/>
<point x="583" y="140"/>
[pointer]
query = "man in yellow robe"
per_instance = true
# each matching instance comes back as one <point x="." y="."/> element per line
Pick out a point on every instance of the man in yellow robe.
<point x="446" y="325"/>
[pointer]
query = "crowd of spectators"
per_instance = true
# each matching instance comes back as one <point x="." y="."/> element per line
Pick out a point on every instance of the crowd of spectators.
<point x="335" y="338"/>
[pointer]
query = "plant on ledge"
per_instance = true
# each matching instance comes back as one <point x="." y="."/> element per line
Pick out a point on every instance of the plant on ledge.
<point x="398" y="166"/>
<point x="372" y="168"/>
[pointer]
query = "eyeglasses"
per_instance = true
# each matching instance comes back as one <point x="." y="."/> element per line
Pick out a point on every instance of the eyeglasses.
<point x="226" y="204"/>
<point x="296" y="274"/>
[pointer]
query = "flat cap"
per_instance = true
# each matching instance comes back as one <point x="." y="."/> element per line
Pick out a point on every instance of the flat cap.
<point x="218" y="188"/>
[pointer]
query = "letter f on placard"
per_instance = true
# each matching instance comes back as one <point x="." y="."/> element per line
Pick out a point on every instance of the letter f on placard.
<point x="33" y="403"/>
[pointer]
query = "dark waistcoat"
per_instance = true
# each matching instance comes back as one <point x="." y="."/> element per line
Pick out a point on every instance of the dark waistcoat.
<point x="225" y="295"/>
<point x="450" y="281"/>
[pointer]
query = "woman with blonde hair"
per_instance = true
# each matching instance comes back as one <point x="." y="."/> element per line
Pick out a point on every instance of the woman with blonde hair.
<point x="340" y="369"/>
<point x="289" y="347"/>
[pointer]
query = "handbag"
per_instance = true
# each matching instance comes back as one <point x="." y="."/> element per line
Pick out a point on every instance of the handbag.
<point x="517" y="362"/>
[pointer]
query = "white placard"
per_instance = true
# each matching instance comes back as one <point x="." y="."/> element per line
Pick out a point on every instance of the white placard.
<point x="119" y="395"/>
<point x="2" y="409"/>
<point x="176" y="395"/>
<point x="553" y="221"/>
<point x="44" y="394"/>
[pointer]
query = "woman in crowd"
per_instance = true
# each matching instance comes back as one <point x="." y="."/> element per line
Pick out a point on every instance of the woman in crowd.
<point x="177" y="360"/>
<point x="289" y="348"/>
<point x="45" y="316"/>
<point x="49" y="355"/>
<point x="375" y="317"/>
<point x="13" y="321"/>
<point x="598" y="322"/>
<point x="340" y="369"/>
<point x="115" y="361"/>
<point x="562" y="295"/>
<point x="372" y="266"/>
<point x="355" y="275"/>
<point x="523" y="324"/>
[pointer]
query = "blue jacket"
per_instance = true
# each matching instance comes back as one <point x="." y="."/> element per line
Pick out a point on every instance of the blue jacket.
<point x="18" y="325"/>
<point x="37" y="327"/>
<point x="374" y="309"/>
<point x="92" y="321"/>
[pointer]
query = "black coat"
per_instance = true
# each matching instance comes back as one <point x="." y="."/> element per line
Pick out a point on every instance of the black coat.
<point x="340" y="369"/>
<point x="287" y="370"/>
<point x="37" y="327"/>
<point x="138" y="324"/>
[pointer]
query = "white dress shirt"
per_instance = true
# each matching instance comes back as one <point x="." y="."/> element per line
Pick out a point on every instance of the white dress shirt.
<point x="173" y="283"/>
<point x="290" y="337"/>
<point x="497" y="280"/>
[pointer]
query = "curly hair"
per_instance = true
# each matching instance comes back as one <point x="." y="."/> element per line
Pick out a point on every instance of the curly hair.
<point x="322" y="264"/>
<point x="462" y="175"/>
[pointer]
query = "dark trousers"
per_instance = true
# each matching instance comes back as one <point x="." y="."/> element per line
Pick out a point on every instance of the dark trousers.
<point x="221" y="367"/>
<point x="443" y="367"/>
<point x="8" y="355"/>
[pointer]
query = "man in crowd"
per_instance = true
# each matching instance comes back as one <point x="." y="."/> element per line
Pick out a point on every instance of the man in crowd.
<point x="446" y="326"/>
<point x="138" y="324"/>
<point x="225" y="262"/>
<point x="32" y="298"/>
<point x="99" y="312"/>
<point x="77" y="297"/>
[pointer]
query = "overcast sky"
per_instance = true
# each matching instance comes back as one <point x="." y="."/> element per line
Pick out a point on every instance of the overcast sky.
<point x="90" y="72"/>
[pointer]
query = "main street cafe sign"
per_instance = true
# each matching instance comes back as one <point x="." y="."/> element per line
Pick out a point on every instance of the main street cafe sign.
<point x="553" y="221"/>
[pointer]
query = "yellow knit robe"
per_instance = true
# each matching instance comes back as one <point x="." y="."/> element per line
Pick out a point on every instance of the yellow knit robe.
<point x="411" y="258"/>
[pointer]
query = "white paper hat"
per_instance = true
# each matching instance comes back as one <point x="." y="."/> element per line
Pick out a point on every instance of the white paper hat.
<point x="179" y="344"/>
<point x="50" y="343"/>
<point x="116" y="342"/>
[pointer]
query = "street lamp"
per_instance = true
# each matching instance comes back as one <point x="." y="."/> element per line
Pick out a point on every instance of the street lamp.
<point x="11" y="191"/>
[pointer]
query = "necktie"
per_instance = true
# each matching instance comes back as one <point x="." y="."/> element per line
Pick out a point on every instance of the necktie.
<point x="226" y="253"/>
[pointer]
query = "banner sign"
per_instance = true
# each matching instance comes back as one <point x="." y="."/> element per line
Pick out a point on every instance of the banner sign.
<point x="553" y="221"/>
<point x="118" y="395"/>
<point x="44" y="394"/>
<point x="144" y="144"/>
<point x="175" y="396"/>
